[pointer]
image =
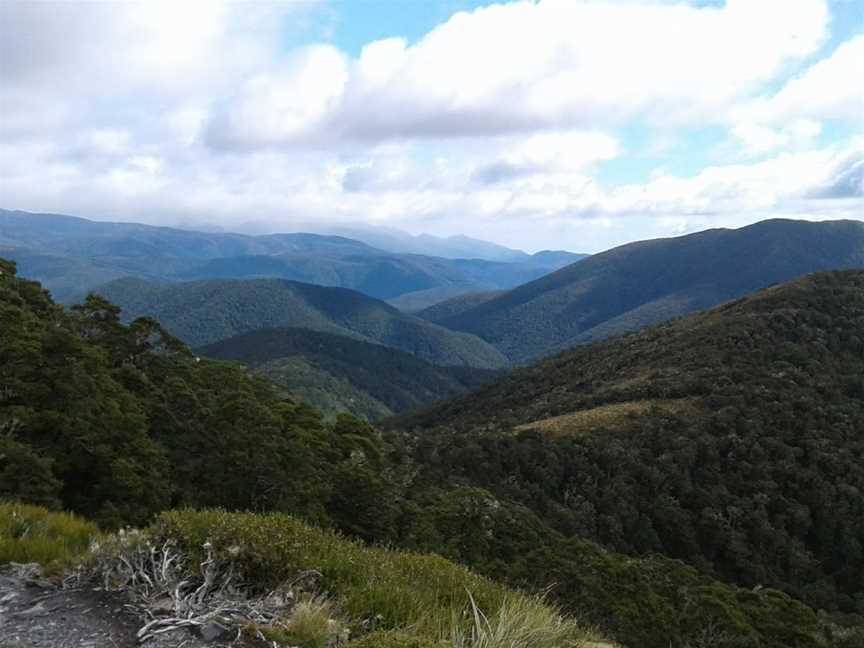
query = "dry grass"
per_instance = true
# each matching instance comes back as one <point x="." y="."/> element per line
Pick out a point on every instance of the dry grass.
<point x="615" y="416"/>
<point x="520" y="622"/>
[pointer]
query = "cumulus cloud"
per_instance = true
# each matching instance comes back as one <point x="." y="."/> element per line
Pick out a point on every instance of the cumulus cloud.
<point x="829" y="89"/>
<point x="524" y="66"/>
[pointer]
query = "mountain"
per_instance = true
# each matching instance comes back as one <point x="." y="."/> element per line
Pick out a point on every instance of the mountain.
<point x="380" y="275"/>
<point x="651" y="281"/>
<point x="203" y="312"/>
<point x="98" y="252"/>
<point x="450" y="247"/>
<point x="730" y="439"/>
<point x="450" y="308"/>
<point x="336" y="374"/>
<point x="119" y="423"/>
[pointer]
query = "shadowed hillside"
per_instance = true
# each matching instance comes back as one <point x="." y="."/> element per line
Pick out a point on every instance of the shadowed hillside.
<point x="340" y="374"/>
<point x="652" y="281"/>
<point x="203" y="312"/>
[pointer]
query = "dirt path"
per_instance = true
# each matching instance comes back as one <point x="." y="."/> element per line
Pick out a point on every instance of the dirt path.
<point x="36" y="613"/>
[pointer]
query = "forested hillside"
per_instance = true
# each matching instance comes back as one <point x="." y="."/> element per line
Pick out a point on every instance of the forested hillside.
<point x="337" y="374"/>
<point x="203" y="312"/>
<point x="732" y="439"/>
<point x="119" y="422"/>
<point x="644" y="283"/>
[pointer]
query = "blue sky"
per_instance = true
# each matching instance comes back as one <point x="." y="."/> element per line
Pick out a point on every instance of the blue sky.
<point x="577" y="124"/>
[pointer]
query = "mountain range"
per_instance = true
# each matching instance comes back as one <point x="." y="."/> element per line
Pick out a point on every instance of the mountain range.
<point x="647" y="282"/>
<point x="72" y="255"/>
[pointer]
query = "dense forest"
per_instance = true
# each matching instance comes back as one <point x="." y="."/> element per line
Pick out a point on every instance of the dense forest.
<point x="337" y="374"/>
<point x="647" y="282"/>
<point x="121" y="421"/>
<point x="731" y="439"/>
<point x="204" y="312"/>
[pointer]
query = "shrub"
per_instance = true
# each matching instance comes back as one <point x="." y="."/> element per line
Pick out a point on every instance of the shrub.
<point x="377" y="588"/>
<point x="54" y="540"/>
<point x="521" y="622"/>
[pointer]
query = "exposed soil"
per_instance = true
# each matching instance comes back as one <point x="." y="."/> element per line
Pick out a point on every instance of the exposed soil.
<point x="39" y="613"/>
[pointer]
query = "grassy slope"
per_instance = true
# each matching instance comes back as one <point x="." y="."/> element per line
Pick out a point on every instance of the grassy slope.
<point x="408" y="600"/>
<point x="651" y="281"/>
<point x="203" y="312"/>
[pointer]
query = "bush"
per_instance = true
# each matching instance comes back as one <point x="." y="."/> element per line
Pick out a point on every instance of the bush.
<point x="379" y="589"/>
<point x="54" y="540"/>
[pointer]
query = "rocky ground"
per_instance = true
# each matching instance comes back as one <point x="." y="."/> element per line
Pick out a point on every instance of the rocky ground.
<point x="39" y="613"/>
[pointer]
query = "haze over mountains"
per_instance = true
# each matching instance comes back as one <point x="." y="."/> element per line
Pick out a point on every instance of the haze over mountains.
<point x="71" y="255"/>
<point x="209" y="287"/>
<point x="647" y="282"/>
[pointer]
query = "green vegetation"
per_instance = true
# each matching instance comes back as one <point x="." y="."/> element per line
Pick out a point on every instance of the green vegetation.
<point x="54" y="540"/>
<point x="385" y="588"/>
<point x="203" y="312"/>
<point x="340" y="374"/>
<point x="644" y="283"/>
<point x="413" y="302"/>
<point x="119" y="422"/>
<point x="757" y="480"/>
<point x="444" y="310"/>
<point x="389" y="639"/>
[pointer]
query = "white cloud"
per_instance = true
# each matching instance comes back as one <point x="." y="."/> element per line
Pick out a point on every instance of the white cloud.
<point x="758" y="139"/>
<point x="829" y="89"/>
<point x="525" y="66"/>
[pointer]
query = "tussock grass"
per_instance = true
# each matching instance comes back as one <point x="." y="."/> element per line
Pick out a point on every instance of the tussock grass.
<point x="33" y="534"/>
<point x="520" y="622"/>
<point x="425" y="597"/>
<point x="312" y="623"/>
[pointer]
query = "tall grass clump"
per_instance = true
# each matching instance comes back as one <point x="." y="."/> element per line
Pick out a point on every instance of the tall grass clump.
<point x="425" y="597"/>
<point x="31" y="534"/>
<point x="520" y="622"/>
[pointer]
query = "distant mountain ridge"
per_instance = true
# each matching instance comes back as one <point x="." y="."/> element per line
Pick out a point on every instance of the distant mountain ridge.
<point x="47" y="246"/>
<point x="203" y="312"/>
<point x="335" y="373"/>
<point x="651" y="281"/>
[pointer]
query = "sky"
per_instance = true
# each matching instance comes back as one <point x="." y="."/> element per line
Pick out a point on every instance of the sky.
<point x="548" y="124"/>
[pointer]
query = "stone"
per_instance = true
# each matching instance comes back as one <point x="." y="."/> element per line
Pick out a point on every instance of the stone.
<point x="36" y="611"/>
<point x="162" y="607"/>
<point x="214" y="631"/>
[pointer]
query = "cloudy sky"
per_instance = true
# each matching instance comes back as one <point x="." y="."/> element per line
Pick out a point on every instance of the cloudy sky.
<point x="575" y="124"/>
